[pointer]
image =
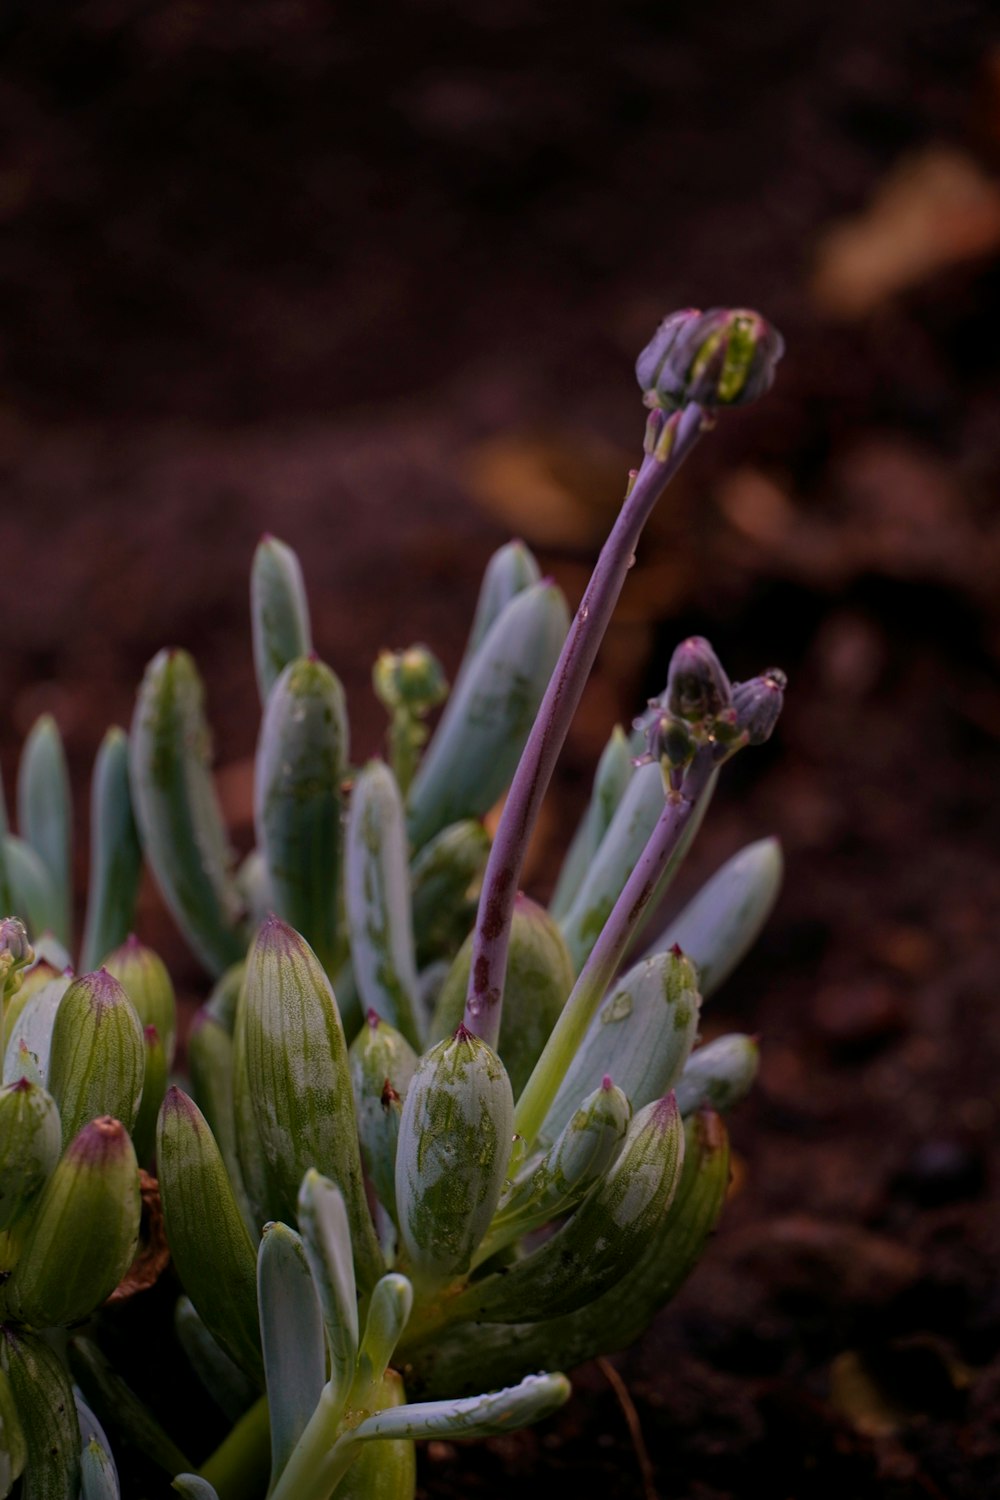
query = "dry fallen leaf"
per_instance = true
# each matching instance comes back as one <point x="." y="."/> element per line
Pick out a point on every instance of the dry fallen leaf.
<point x="933" y="210"/>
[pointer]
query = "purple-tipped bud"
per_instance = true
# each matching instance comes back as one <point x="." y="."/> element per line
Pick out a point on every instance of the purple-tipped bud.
<point x="14" y="942"/>
<point x="722" y="357"/>
<point x="757" y="704"/>
<point x="697" y="686"/>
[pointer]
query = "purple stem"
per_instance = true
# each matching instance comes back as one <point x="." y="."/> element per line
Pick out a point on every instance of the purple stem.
<point x="611" y="946"/>
<point x="484" y="1000"/>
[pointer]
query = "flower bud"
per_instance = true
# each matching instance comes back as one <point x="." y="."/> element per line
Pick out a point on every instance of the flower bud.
<point x="30" y="1143"/>
<point x="413" y="680"/>
<point x="723" y="357"/>
<point x="15" y="949"/>
<point x="382" y="1064"/>
<point x="697" y="686"/>
<point x="96" y="1062"/>
<point x="43" y="1397"/>
<point x="83" y="1233"/>
<point x="758" y="703"/>
<point x="454" y="1144"/>
<point x="292" y="1086"/>
<point x="144" y="978"/>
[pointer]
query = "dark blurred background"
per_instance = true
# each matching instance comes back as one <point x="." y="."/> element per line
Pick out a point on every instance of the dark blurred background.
<point x="374" y="279"/>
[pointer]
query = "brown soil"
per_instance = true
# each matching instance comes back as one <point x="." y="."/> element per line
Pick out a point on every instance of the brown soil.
<point x="268" y="268"/>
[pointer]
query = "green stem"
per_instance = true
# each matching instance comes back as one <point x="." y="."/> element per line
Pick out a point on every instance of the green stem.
<point x="609" y="950"/>
<point x="240" y="1466"/>
<point x="319" y="1461"/>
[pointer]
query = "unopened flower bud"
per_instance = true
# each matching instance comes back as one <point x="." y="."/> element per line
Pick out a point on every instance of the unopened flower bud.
<point x="16" y="953"/>
<point x="697" y="686"/>
<point x="412" y="679"/>
<point x="757" y="704"/>
<point x="83" y="1234"/>
<point x="722" y="357"/>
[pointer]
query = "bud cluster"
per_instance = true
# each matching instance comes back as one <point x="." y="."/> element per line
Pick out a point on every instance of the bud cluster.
<point x="701" y="708"/>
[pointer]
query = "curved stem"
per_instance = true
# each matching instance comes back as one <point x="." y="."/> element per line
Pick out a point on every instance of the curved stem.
<point x="610" y="948"/>
<point x="484" y="999"/>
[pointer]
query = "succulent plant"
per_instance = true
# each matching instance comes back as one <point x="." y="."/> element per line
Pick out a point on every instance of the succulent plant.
<point x="434" y="1138"/>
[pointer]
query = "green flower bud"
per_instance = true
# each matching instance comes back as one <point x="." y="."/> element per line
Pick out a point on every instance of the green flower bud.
<point x="279" y="612"/>
<point x="293" y="1082"/>
<point x="96" y="1062"/>
<point x="211" y="1248"/>
<point x="144" y="978"/>
<point x="30" y="1143"/>
<point x="44" y="1400"/>
<point x="723" y="357"/>
<point x="83" y="1233"/>
<point x="451" y="1161"/>
<point x="300" y="768"/>
<point x="382" y="1065"/>
<point x="539" y="977"/>
<point x="412" y="680"/>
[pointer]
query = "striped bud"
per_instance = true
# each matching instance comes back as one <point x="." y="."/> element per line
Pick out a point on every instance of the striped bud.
<point x="143" y="976"/>
<point x="454" y="1145"/>
<point x="382" y="1065"/>
<point x="96" y="1062"/>
<point x="539" y="977"/>
<point x="44" y="1400"/>
<point x="293" y="1084"/>
<point x="83" y="1233"/>
<point x="211" y="1249"/>
<point x="30" y="1143"/>
<point x="300" y="766"/>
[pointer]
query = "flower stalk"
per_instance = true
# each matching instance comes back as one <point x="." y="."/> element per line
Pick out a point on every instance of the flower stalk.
<point x="484" y="999"/>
